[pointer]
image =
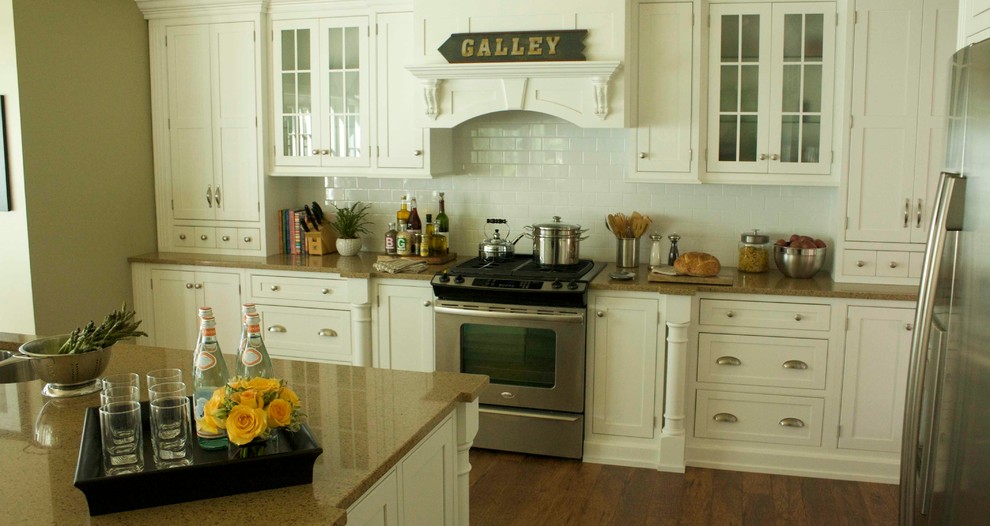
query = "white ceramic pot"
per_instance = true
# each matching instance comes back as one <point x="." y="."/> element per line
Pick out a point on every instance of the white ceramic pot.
<point x="348" y="247"/>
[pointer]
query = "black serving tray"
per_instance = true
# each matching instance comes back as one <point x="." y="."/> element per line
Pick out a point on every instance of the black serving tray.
<point x="210" y="475"/>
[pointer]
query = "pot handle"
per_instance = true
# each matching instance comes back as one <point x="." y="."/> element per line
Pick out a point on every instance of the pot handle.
<point x="14" y="359"/>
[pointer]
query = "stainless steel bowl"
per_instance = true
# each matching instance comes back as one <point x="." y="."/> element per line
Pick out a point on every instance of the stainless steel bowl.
<point x="799" y="262"/>
<point x="66" y="374"/>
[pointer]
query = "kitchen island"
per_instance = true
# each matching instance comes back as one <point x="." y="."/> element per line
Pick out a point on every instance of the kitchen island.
<point x="366" y="420"/>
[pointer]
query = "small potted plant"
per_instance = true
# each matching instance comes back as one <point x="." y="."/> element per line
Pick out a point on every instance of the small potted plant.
<point x="350" y="221"/>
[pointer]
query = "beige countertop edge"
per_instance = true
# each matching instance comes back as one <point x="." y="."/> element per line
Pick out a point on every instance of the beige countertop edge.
<point x="769" y="283"/>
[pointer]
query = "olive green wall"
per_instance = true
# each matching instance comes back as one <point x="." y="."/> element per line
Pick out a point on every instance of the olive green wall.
<point x="85" y="112"/>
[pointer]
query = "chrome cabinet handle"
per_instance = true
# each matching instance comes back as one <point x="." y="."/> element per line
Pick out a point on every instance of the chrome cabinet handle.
<point x="727" y="418"/>
<point x="225" y="238"/>
<point x="198" y="286"/>
<point x="729" y="314"/>
<point x="794" y="364"/>
<point x="728" y="360"/>
<point x="276" y="328"/>
<point x="600" y="314"/>
<point x="209" y="196"/>
<point x="791" y="422"/>
<point x="327" y="332"/>
<point x="642" y="155"/>
<point x="774" y="157"/>
<point x="216" y="195"/>
<point x="417" y="153"/>
<point x="917" y="221"/>
<point x="426" y="303"/>
<point x="203" y="237"/>
<point x="275" y="288"/>
<point x="907" y="211"/>
<point x="247" y="239"/>
<point x="189" y="285"/>
<point x="182" y="237"/>
<point x="860" y="263"/>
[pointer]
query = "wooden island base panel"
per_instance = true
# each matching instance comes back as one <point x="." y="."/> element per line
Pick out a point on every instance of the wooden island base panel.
<point x="393" y="442"/>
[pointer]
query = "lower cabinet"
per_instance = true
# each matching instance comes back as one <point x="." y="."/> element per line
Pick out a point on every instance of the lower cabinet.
<point x="173" y="296"/>
<point x="623" y="333"/>
<point x="419" y="490"/>
<point x="404" y="335"/>
<point x="874" y="378"/>
<point x="297" y="333"/>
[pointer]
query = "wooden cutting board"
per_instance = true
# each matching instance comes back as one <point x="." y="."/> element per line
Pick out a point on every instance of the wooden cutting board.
<point x="430" y="260"/>
<point x="695" y="280"/>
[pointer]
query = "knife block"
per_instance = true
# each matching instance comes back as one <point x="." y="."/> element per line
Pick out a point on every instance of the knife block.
<point x="322" y="242"/>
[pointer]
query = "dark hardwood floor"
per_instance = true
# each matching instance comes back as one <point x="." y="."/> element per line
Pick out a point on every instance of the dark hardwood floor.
<point x="515" y="489"/>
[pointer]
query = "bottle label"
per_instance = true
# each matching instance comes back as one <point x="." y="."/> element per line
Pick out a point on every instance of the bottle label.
<point x="254" y="329"/>
<point x="205" y="360"/>
<point x="210" y="331"/>
<point x="250" y="357"/>
<point x="389" y="244"/>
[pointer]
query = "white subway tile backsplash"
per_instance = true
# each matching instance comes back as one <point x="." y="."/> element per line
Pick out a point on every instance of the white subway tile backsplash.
<point x="527" y="168"/>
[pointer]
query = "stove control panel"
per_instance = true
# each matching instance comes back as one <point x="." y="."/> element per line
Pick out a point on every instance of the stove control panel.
<point x="506" y="284"/>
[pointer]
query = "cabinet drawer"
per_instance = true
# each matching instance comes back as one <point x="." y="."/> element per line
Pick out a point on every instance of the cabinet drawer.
<point x="892" y="264"/>
<point x="759" y="418"/>
<point x="184" y="236"/>
<point x="227" y="237"/>
<point x="298" y="333"/>
<point x="765" y="315"/>
<point x="859" y="263"/>
<point x="323" y="290"/>
<point x="205" y="237"/>
<point x="248" y="239"/>
<point x="763" y="361"/>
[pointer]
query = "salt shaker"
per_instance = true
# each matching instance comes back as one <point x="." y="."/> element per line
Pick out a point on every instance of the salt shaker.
<point x="674" y="252"/>
<point x="656" y="251"/>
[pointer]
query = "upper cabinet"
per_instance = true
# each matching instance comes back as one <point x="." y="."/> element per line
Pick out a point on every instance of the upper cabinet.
<point x="343" y="101"/>
<point x="974" y="21"/>
<point x="771" y="82"/>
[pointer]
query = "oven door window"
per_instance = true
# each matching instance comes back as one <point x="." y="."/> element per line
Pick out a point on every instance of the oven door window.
<point x="523" y="356"/>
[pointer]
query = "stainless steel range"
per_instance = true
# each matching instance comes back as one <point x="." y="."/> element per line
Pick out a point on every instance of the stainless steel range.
<point x="524" y="326"/>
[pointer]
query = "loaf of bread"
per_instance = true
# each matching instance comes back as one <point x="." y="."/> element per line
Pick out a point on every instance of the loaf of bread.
<point x="699" y="264"/>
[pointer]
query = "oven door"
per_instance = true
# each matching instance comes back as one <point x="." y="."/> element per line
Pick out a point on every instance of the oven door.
<point x="534" y="356"/>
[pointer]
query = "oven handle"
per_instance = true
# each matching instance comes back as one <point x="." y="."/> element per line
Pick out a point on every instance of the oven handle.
<point x="566" y="318"/>
<point x="527" y="414"/>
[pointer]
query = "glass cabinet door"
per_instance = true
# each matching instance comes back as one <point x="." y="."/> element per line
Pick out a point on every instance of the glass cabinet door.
<point x="295" y="47"/>
<point x="344" y="72"/>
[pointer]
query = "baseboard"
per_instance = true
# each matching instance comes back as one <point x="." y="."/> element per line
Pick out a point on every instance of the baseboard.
<point x="621" y="454"/>
<point x="780" y="462"/>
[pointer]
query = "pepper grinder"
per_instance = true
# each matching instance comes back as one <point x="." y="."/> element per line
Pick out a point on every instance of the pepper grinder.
<point x="656" y="251"/>
<point x="674" y="252"/>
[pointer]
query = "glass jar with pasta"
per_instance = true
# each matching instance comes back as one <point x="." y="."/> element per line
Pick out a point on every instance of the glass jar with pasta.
<point x="754" y="254"/>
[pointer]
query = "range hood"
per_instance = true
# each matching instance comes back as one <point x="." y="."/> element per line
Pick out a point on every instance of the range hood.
<point x="590" y="93"/>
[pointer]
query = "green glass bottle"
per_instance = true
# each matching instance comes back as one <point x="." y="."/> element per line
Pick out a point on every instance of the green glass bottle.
<point x="209" y="374"/>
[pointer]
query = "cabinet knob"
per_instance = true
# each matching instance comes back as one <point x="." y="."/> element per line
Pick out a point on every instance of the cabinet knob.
<point x="729" y="314"/>
<point x="275" y="288"/>
<point x="728" y="360"/>
<point x="327" y="332"/>
<point x="204" y="237"/>
<point x="763" y="157"/>
<point x="325" y="152"/>
<point x="797" y="317"/>
<point x="860" y="263"/>
<point x="426" y="303"/>
<point x="727" y="418"/>
<point x="324" y="291"/>
<point x="417" y="153"/>
<point x="276" y="328"/>
<point x="795" y="364"/>
<point x="225" y="238"/>
<point x="774" y="157"/>
<point x="247" y="239"/>
<point x="892" y="264"/>
<point x="791" y="422"/>
<point x="600" y="314"/>
<point x="182" y="237"/>
<point x="908" y="326"/>
<point x="642" y="155"/>
<point x="316" y="152"/>
<point x="198" y="286"/>
<point x="189" y="285"/>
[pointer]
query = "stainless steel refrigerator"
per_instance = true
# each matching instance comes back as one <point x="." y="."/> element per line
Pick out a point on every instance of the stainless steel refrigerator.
<point x="945" y="456"/>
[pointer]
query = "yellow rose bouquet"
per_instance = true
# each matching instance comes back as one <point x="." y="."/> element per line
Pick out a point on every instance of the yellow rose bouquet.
<point x="254" y="408"/>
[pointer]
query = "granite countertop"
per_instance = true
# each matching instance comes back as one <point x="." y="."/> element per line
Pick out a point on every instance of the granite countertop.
<point x="365" y="419"/>
<point x="360" y="266"/>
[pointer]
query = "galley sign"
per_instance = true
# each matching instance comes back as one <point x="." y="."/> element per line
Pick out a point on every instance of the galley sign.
<point x="514" y="46"/>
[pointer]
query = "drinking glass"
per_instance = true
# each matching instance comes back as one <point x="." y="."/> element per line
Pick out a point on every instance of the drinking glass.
<point x="121" y="380"/>
<point x="120" y="430"/>
<point x="161" y="376"/>
<point x="165" y="390"/>
<point x="171" y="432"/>
<point x="126" y="393"/>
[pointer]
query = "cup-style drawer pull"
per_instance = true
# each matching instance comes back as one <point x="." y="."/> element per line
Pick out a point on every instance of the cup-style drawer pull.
<point x="725" y="417"/>
<point x="324" y="291"/>
<point x="275" y="288"/>
<point x="276" y="328"/>
<point x="791" y="422"/>
<point x="795" y="364"/>
<point x="729" y="314"/>
<point x="728" y="360"/>
<point x="327" y="332"/>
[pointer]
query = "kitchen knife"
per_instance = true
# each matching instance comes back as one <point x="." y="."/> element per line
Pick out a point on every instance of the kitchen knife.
<point x="318" y="212"/>
<point x="302" y="224"/>
<point x="311" y="218"/>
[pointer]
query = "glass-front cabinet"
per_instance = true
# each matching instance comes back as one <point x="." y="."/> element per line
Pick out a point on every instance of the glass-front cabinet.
<point x="321" y="92"/>
<point x="771" y="77"/>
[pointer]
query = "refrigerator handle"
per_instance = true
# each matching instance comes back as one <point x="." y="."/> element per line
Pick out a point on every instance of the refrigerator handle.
<point x="930" y="427"/>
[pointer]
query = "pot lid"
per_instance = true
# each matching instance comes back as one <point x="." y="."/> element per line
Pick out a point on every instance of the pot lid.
<point x="754" y="238"/>
<point x="556" y="228"/>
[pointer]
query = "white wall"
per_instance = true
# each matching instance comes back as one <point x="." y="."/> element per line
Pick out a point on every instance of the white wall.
<point x="17" y="304"/>
<point x="528" y="167"/>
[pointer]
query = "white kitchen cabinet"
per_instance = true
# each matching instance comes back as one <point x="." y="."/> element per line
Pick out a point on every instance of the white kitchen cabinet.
<point x="419" y="490"/>
<point x="974" y="22"/>
<point x="623" y="333"/>
<point x="405" y="334"/>
<point x="771" y="83"/>
<point x="874" y="379"/>
<point x="667" y="67"/>
<point x="900" y="81"/>
<point x="177" y="295"/>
